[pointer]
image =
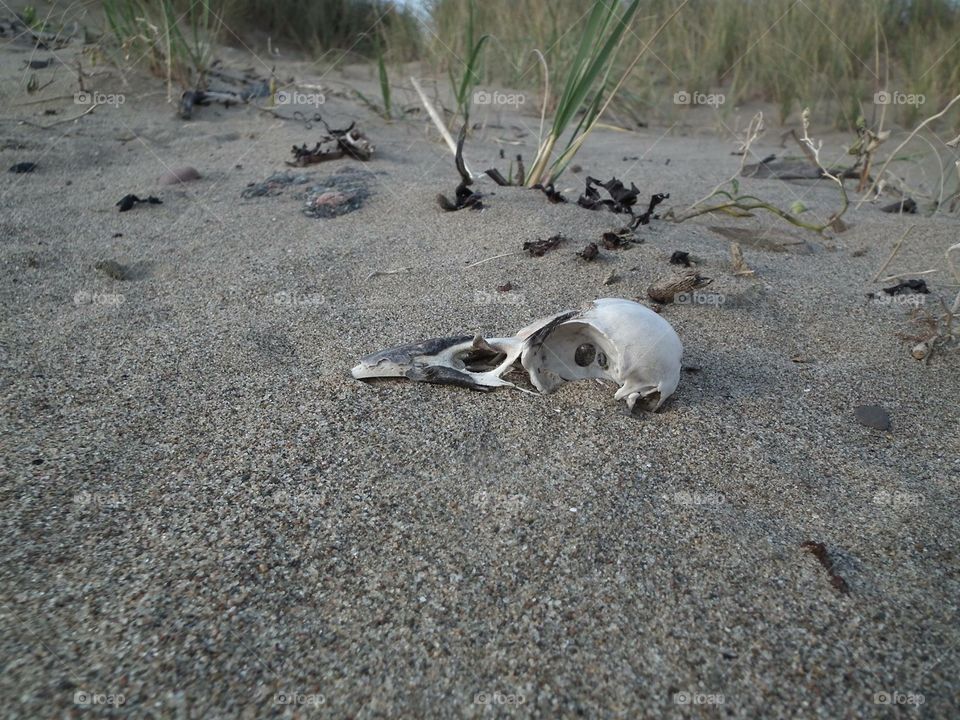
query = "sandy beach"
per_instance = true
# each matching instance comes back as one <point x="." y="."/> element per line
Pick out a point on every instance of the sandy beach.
<point x="206" y="516"/>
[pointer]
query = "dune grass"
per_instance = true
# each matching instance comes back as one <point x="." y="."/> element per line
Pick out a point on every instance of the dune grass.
<point x="832" y="56"/>
<point x="176" y="43"/>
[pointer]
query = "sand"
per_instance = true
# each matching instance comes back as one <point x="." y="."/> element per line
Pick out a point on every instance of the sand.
<point x="205" y="516"/>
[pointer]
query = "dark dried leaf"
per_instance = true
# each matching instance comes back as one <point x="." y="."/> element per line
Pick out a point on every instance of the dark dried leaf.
<point x="908" y="287"/>
<point x="907" y="205"/>
<point x="590" y="252"/>
<point x="680" y="257"/>
<point x="128" y="201"/>
<point x="539" y="248"/>
<point x="553" y="195"/>
<point x="819" y="550"/>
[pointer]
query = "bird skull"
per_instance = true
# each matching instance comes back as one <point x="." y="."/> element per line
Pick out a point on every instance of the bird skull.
<point x="614" y="339"/>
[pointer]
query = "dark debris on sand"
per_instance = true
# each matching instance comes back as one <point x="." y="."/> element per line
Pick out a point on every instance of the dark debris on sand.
<point x="590" y="252"/>
<point x="127" y="202"/>
<point x="908" y="287"/>
<point x="539" y="248"/>
<point x="464" y="197"/>
<point x="347" y="142"/>
<point x="907" y="206"/>
<point x="341" y="193"/>
<point x="680" y="257"/>
<point x="620" y="200"/>
<point x="819" y="550"/>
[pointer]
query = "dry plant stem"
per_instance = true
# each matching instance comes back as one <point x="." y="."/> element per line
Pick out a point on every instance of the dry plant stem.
<point x="437" y="120"/>
<point x="815" y="151"/>
<point x="751" y="134"/>
<point x="893" y="253"/>
<point x="546" y="94"/>
<point x="956" y="274"/>
<point x="900" y="147"/>
<point x="745" y="203"/>
<point x="61" y="122"/>
<point x="378" y="273"/>
<point x="495" y="257"/>
<point x="901" y="276"/>
<point x="45" y="100"/>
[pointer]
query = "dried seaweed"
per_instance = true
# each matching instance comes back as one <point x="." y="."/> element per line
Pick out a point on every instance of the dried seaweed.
<point x="644" y="219"/>
<point x="908" y="287"/>
<point x="907" y="206"/>
<point x="553" y="195"/>
<point x="621" y="200"/>
<point x="590" y="252"/>
<point x="539" y="248"/>
<point x="128" y="201"/>
<point x="619" y="239"/>
<point x="680" y="257"/>
<point x="819" y="550"/>
<point x="349" y="142"/>
<point x="464" y="196"/>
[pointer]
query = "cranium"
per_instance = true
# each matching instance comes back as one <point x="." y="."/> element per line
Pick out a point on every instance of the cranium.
<point x="613" y="339"/>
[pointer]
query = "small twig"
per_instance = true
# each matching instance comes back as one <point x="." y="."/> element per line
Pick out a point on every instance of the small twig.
<point x="45" y="100"/>
<point x="900" y="147"/>
<point x="378" y="273"/>
<point x="891" y="278"/>
<point x="546" y="95"/>
<point x="61" y="122"/>
<point x="805" y="148"/>
<point x="495" y="257"/>
<point x="956" y="274"/>
<point x="750" y="135"/>
<point x="432" y="112"/>
<point x="896" y="249"/>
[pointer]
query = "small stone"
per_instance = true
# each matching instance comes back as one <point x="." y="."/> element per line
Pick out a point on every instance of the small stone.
<point x="112" y="269"/>
<point x="872" y="416"/>
<point x="179" y="175"/>
<point x="590" y="252"/>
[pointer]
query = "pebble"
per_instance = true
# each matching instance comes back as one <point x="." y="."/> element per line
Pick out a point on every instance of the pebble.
<point x="872" y="416"/>
<point x="179" y="175"/>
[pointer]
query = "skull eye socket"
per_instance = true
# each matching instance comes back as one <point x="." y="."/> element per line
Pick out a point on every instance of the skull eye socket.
<point x="585" y="354"/>
<point x="602" y="360"/>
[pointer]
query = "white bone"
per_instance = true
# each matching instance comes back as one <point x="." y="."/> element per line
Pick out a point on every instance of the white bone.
<point x="614" y="339"/>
